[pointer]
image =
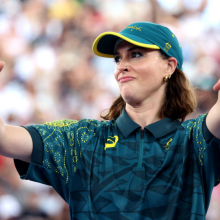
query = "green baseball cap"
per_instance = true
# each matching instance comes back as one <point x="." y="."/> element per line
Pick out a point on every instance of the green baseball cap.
<point x="143" y="34"/>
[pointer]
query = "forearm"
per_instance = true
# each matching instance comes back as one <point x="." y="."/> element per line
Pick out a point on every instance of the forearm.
<point x="15" y="142"/>
<point x="213" y="120"/>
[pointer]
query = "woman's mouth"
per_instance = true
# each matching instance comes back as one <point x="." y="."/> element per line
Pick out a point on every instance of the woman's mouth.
<point x="125" y="79"/>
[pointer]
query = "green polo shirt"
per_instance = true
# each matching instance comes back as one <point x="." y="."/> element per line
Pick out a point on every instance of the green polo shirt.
<point x="115" y="170"/>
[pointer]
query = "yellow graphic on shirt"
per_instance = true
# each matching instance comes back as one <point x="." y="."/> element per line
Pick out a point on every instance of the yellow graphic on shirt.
<point x="107" y="145"/>
<point x="167" y="147"/>
<point x="61" y="123"/>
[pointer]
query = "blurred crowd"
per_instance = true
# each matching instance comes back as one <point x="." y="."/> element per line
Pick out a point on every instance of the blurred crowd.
<point x="51" y="73"/>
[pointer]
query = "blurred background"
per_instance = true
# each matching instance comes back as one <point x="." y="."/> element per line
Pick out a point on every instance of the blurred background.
<point x="51" y="73"/>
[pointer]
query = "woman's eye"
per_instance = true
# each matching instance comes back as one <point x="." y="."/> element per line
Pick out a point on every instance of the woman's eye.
<point x="117" y="59"/>
<point x="136" y="54"/>
<point x="133" y="55"/>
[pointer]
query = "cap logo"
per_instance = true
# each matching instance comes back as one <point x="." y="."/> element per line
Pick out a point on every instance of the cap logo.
<point x="134" y="27"/>
<point x="167" y="47"/>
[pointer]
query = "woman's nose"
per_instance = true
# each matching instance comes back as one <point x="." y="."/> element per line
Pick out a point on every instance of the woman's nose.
<point x="123" y="66"/>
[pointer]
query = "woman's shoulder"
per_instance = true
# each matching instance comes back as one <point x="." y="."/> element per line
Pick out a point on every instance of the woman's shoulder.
<point x="66" y="124"/>
<point x="193" y="122"/>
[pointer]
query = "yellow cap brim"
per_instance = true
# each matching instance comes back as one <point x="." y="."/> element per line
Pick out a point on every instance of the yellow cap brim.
<point x="97" y="40"/>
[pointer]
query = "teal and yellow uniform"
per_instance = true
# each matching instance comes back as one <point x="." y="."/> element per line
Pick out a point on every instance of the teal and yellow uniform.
<point x="115" y="170"/>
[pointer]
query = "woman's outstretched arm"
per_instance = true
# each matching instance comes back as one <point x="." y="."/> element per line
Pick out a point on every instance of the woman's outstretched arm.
<point x="213" y="118"/>
<point x="15" y="142"/>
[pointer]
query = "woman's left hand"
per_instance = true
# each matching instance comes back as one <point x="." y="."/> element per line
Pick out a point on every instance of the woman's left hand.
<point x="216" y="87"/>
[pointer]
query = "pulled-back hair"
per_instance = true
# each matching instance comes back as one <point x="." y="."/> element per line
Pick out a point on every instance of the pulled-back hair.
<point x="180" y="99"/>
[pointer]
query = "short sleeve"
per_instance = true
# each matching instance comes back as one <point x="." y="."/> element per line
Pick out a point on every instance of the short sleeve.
<point x="207" y="134"/>
<point x="54" y="150"/>
<point x="37" y="154"/>
<point x="207" y="148"/>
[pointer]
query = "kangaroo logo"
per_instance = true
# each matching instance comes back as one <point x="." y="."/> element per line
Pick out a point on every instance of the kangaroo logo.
<point x="167" y="147"/>
<point x="107" y="145"/>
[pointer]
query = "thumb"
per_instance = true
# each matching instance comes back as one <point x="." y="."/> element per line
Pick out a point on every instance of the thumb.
<point x="2" y="64"/>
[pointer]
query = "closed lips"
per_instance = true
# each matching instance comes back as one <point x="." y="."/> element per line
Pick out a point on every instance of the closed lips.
<point x="125" y="78"/>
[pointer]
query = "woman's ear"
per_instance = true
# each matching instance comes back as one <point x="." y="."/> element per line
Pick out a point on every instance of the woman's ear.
<point x="171" y="65"/>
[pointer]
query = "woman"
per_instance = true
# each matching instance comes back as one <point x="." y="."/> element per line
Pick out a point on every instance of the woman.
<point x="142" y="163"/>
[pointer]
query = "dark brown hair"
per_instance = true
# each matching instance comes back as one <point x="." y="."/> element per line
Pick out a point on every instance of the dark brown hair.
<point x="180" y="99"/>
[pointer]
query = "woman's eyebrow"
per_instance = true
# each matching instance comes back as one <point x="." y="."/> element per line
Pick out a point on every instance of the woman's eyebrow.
<point x="130" y="49"/>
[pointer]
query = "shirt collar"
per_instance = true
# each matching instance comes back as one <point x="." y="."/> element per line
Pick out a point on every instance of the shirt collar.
<point x="159" y="128"/>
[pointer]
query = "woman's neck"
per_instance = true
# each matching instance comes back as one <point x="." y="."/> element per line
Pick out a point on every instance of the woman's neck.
<point x="145" y="114"/>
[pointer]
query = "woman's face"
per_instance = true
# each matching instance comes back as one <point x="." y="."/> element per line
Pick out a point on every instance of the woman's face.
<point x="139" y="72"/>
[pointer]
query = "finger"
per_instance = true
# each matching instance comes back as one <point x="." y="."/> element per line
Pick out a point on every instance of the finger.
<point x="2" y="64"/>
<point x="216" y="87"/>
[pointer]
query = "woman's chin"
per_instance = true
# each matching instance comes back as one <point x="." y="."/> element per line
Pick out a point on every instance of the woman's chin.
<point x="131" y="100"/>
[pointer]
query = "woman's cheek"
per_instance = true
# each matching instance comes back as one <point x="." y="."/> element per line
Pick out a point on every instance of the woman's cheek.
<point x="116" y="73"/>
<point x="154" y="62"/>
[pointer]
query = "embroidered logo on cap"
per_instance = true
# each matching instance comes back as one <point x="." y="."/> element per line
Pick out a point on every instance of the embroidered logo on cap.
<point x="134" y="27"/>
<point x="167" y="47"/>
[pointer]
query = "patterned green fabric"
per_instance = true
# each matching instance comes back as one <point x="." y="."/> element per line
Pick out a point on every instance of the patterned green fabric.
<point x="114" y="170"/>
